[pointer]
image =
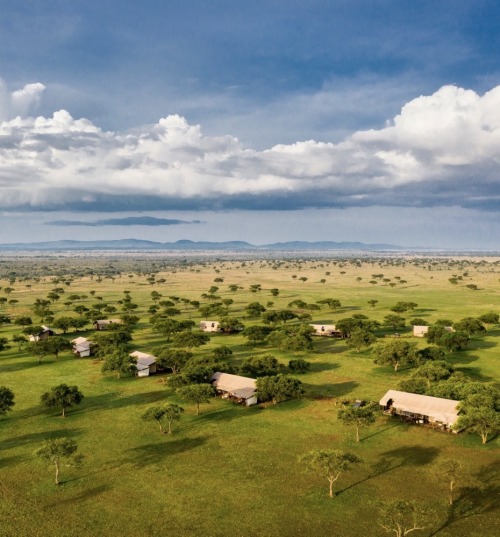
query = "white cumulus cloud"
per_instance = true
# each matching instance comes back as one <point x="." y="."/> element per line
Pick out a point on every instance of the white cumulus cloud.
<point x="442" y="149"/>
<point x="20" y="102"/>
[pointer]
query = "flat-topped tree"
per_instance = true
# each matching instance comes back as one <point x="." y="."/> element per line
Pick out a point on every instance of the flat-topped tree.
<point x="330" y="463"/>
<point x="402" y="517"/>
<point x="169" y="412"/>
<point x="357" y="416"/>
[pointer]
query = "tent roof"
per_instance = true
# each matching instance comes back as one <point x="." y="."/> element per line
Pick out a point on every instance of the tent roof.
<point x="143" y="359"/>
<point x="243" y="387"/>
<point x="442" y="410"/>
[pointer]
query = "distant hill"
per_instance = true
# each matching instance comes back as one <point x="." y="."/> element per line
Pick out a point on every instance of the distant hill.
<point x="137" y="244"/>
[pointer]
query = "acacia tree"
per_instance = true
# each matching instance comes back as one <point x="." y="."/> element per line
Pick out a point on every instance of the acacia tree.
<point x="396" y="353"/>
<point x="357" y="416"/>
<point x="278" y="388"/>
<point x="120" y="362"/>
<point x="330" y="464"/>
<point x="360" y="338"/>
<point x="480" y="414"/>
<point x="174" y="359"/>
<point x="403" y="517"/>
<point x="6" y="400"/>
<point x="170" y="412"/>
<point x="452" y="473"/>
<point x="62" y="396"/>
<point x="53" y="451"/>
<point x="196" y="394"/>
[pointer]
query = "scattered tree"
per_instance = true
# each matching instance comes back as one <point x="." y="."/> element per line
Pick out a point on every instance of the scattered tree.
<point x="197" y="394"/>
<point x="403" y="517"/>
<point x="330" y="464"/>
<point x="278" y="388"/>
<point x="53" y="451"/>
<point x="170" y="412"/>
<point x="62" y="396"/>
<point x="358" y="416"/>
<point x="6" y="400"/>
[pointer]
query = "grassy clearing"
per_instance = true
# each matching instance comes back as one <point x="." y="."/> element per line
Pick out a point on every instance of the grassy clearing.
<point x="234" y="470"/>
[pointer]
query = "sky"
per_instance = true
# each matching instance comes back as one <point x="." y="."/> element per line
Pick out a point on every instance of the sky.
<point x="272" y="120"/>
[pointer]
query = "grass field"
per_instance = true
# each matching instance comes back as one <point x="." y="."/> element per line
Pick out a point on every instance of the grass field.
<point x="234" y="471"/>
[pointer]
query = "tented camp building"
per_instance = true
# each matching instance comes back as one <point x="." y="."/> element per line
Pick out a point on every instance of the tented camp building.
<point x="145" y="363"/>
<point x="210" y="326"/>
<point x="82" y="347"/>
<point x="328" y="330"/>
<point x="441" y="413"/>
<point x="239" y="389"/>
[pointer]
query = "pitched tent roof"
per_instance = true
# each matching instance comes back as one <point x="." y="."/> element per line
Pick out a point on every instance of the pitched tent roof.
<point x="144" y="360"/>
<point x="442" y="410"/>
<point x="243" y="387"/>
<point x="80" y="340"/>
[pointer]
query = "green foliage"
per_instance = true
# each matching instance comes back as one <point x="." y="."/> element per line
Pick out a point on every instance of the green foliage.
<point x="119" y="362"/>
<point x="63" y="397"/>
<point x="197" y="394"/>
<point x="402" y="517"/>
<point x="331" y="464"/>
<point x="257" y="334"/>
<point x="360" y="338"/>
<point x="254" y="310"/>
<point x="172" y="358"/>
<point x="396" y="322"/>
<point x="260" y="366"/>
<point x="396" y="353"/>
<point x="480" y="413"/>
<point x="190" y="339"/>
<point x="54" y="450"/>
<point x="6" y="400"/>
<point x="358" y="416"/>
<point x="299" y="365"/>
<point x="169" y="412"/>
<point x="278" y="388"/>
<point x="469" y="326"/>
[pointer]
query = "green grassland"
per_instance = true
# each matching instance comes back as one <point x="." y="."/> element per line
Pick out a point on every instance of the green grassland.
<point x="233" y="470"/>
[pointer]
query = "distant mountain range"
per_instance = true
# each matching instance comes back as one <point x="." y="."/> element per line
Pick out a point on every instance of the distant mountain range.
<point x="136" y="244"/>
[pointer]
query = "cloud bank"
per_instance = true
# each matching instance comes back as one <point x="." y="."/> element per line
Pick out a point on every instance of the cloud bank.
<point x="441" y="150"/>
<point x="127" y="221"/>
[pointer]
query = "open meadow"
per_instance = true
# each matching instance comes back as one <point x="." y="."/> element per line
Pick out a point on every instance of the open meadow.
<point x="235" y="470"/>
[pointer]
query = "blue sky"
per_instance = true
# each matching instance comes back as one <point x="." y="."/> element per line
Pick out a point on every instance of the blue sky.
<point x="375" y="121"/>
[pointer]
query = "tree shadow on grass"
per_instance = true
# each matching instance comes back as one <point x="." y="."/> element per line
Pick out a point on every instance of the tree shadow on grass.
<point x="229" y="412"/>
<point x="339" y="389"/>
<point x="87" y="494"/>
<point x="6" y="462"/>
<point x="412" y="456"/>
<point x="474" y="501"/>
<point x="316" y="367"/>
<point x="150" y="454"/>
<point x="36" y="438"/>
<point x="114" y="400"/>
<point x="19" y="366"/>
<point x="474" y="372"/>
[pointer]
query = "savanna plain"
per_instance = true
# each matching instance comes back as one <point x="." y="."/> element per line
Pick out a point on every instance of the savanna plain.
<point x="234" y="470"/>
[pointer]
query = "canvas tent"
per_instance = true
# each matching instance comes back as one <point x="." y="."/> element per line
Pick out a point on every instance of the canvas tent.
<point x="328" y="330"/>
<point x="210" y="326"/>
<point x="45" y="333"/>
<point x="241" y="389"/>
<point x="103" y="324"/>
<point x="145" y="363"/>
<point x="82" y="347"/>
<point x="421" y="408"/>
